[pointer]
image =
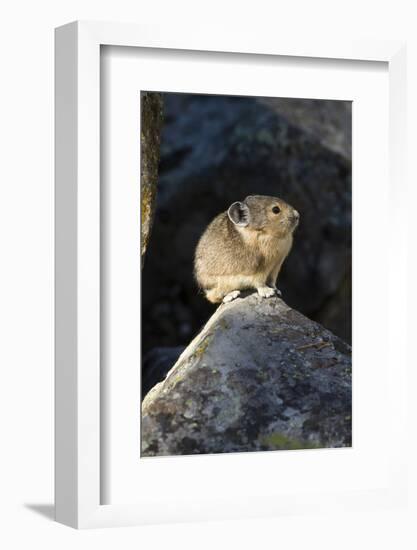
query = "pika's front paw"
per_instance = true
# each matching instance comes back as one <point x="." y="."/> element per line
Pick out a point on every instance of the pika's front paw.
<point x="277" y="291"/>
<point x="266" y="291"/>
<point x="230" y="296"/>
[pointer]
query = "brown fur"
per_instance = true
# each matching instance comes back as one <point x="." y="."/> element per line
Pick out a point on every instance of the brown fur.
<point x="232" y="257"/>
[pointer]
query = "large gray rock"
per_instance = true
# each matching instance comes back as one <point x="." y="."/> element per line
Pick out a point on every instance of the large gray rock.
<point x="216" y="150"/>
<point x="259" y="376"/>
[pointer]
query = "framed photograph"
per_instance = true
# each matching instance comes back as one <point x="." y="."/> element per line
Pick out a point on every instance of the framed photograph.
<point x="227" y="342"/>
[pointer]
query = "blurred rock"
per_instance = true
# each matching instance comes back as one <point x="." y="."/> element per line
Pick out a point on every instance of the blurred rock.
<point x="328" y="121"/>
<point x="259" y="376"/>
<point x="156" y="364"/>
<point x="216" y="150"/>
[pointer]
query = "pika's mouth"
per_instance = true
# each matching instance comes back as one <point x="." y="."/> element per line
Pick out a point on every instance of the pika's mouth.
<point x="294" y="219"/>
<point x="294" y="222"/>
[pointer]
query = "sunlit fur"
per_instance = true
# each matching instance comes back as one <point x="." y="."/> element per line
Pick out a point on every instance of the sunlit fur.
<point x="229" y="257"/>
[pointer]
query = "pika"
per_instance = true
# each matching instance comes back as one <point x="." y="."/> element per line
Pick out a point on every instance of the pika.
<point x="244" y="248"/>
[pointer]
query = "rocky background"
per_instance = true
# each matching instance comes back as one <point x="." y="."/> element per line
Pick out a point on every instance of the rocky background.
<point x="216" y="150"/>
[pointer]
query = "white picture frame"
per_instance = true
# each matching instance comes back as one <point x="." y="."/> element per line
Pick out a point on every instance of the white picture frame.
<point x="78" y="404"/>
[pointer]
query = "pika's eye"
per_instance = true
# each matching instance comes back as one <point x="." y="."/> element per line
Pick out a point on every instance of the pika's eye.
<point x="276" y="209"/>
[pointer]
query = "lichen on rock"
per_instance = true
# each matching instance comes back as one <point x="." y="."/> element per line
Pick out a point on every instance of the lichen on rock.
<point x="151" y="123"/>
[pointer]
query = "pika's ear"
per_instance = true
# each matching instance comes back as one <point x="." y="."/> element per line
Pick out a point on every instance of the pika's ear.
<point x="239" y="214"/>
